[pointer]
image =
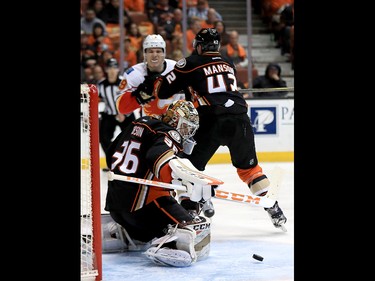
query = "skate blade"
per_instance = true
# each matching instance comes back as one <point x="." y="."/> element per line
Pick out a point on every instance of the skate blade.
<point x="282" y="227"/>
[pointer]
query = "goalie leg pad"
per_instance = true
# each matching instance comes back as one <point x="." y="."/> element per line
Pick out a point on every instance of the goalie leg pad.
<point x="192" y="244"/>
<point x="183" y="256"/>
<point x="113" y="237"/>
<point x="203" y="237"/>
<point x="169" y="257"/>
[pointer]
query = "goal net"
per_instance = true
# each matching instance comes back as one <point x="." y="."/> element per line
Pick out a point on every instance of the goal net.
<point x="91" y="248"/>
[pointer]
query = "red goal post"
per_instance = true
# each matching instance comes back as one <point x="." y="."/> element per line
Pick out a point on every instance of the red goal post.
<point x="91" y="248"/>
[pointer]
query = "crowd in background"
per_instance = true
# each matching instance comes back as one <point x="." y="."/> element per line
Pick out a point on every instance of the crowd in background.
<point x="100" y="32"/>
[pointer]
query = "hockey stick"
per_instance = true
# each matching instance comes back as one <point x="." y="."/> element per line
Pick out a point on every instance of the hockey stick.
<point x="112" y="176"/>
<point x="265" y="201"/>
<point x="276" y="176"/>
<point x="262" y="201"/>
<point x="291" y="89"/>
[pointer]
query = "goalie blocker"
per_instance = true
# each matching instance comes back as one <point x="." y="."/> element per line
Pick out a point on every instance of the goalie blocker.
<point x="199" y="186"/>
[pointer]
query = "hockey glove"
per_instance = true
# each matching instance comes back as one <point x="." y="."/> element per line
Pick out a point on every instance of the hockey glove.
<point x="143" y="93"/>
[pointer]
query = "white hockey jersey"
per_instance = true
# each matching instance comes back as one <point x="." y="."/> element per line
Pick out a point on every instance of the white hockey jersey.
<point x="134" y="76"/>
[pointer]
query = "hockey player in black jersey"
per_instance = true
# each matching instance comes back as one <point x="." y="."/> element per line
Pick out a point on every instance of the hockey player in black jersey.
<point x="144" y="150"/>
<point x="212" y="85"/>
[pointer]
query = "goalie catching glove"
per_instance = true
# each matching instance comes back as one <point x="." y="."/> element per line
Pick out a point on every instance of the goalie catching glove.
<point x="145" y="91"/>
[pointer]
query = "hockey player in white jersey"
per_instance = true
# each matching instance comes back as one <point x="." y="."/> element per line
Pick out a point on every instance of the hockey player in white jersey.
<point x="130" y="96"/>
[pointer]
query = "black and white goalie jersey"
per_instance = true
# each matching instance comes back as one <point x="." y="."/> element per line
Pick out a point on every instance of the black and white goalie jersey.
<point x="142" y="150"/>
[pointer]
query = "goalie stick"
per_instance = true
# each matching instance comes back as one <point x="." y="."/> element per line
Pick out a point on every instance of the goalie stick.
<point x="112" y="176"/>
<point x="262" y="201"/>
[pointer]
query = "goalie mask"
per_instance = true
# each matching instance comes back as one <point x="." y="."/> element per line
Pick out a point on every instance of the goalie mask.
<point x="183" y="116"/>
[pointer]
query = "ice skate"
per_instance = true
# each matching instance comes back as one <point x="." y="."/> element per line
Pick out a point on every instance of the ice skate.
<point x="277" y="216"/>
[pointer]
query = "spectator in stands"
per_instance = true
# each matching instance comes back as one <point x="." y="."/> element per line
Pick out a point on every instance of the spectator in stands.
<point x="87" y="72"/>
<point x="201" y="10"/>
<point x="175" y="3"/>
<point x="96" y="74"/>
<point x="283" y="29"/>
<point x="189" y="3"/>
<point x="88" y="21"/>
<point x="135" y="37"/>
<point x="99" y="41"/>
<point x="177" y="55"/>
<point x="271" y="13"/>
<point x="140" y="54"/>
<point x="110" y="118"/>
<point x="211" y="18"/>
<point x="271" y="79"/>
<point x="149" y="7"/>
<point x="130" y="55"/>
<point x="235" y="51"/>
<point x="194" y="28"/>
<point x="162" y="14"/>
<point x="272" y="8"/>
<point x="104" y="57"/>
<point x="98" y="6"/>
<point x="173" y="27"/>
<point x="219" y="25"/>
<point x="243" y="79"/>
<point x="176" y="47"/>
<point x="88" y="58"/>
<point x="135" y="5"/>
<point x="110" y="14"/>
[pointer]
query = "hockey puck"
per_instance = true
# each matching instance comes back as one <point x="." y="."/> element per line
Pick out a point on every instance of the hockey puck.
<point x="209" y="213"/>
<point x="257" y="257"/>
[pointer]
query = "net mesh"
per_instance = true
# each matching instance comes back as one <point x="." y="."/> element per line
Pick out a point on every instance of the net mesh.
<point x="88" y="271"/>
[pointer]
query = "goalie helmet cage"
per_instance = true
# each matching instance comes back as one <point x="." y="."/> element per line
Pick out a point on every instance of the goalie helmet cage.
<point x="91" y="248"/>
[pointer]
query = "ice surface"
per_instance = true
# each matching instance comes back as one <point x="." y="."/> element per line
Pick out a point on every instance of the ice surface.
<point x="238" y="231"/>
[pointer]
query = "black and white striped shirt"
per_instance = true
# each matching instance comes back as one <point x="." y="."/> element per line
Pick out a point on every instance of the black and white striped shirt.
<point x="107" y="93"/>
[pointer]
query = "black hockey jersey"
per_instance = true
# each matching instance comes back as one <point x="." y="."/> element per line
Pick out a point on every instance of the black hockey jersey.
<point x="142" y="150"/>
<point x="211" y="81"/>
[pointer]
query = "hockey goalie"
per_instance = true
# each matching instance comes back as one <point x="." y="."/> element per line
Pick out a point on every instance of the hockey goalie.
<point x="152" y="219"/>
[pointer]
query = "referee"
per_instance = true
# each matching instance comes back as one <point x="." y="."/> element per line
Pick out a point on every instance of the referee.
<point x="110" y="118"/>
